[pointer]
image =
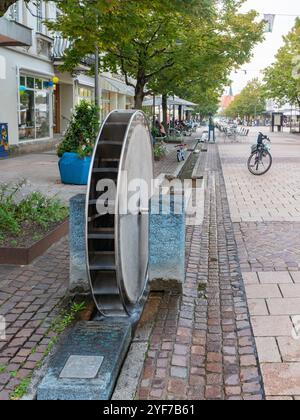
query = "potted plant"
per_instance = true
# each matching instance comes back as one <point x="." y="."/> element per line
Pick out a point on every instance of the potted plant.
<point x="159" y="150"/>
<point x="76" y="149"/>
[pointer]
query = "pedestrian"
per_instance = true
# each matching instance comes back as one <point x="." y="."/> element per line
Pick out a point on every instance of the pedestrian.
<point x="211" y="129"/>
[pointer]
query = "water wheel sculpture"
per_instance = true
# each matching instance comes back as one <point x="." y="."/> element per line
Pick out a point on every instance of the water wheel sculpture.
<point x="117" y="241"/>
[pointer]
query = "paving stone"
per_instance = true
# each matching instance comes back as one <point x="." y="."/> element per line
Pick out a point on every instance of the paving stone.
<point x="258" y="307"/>
<point x="272" y="326"/>
<point x="281" y="378"/>
<point x="289" y="349"/>
<point x="275" y="277"/>
<point x="268" y="351"/>
<point x="290" y="290"/>
<point x="286" y="306"/>
<point x="250" y="278"/>
<point x="296" y="277"/>
<point x="263" y="291"/>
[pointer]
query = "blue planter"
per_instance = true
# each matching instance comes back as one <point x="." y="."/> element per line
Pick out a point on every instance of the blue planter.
<point x="73" y="169"/>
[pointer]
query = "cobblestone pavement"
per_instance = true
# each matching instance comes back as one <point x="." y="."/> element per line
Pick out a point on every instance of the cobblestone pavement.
<point x="29" y="300"/>
<point x="267" y="228"/>
<point x="268" y="246"/>
<point x="30" y="297"/>
<point x="201" y="345"/>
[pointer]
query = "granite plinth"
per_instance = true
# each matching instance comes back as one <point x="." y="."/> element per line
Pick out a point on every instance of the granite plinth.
<point x="78" y="271"/>
<point x="86" y="344"/>
<point x="167" y="243"/>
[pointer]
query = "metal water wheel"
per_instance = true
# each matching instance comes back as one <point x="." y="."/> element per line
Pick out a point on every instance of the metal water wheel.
<point x="117" y="244"/>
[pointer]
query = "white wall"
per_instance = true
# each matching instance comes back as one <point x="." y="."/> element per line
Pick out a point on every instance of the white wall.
<point x="27" y="59"/>
<point x="9" y="87"/>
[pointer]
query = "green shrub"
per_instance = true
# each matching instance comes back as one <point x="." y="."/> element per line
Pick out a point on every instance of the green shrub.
<point x="82" y="131"/>
<point x="35" y="209"/>
<point x="159" y="150"/>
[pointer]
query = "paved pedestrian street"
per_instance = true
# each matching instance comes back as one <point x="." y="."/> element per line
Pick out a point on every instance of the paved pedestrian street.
<point x="234" y="332"/>
<point x="202" y="345"/>
<point x="265" y="212"/>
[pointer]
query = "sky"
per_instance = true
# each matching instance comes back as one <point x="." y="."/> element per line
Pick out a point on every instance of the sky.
<point x="264" y="53"/>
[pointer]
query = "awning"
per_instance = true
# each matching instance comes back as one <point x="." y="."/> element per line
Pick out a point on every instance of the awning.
<point x="171" y="102"/>
<point x="116" y="86"/>
<point x="13" y="34"/>
<point x="86" y="80"/>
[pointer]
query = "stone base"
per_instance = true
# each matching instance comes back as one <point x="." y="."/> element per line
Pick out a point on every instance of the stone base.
<point x="79" y="283"/>
<point x="166" y="284"/>
<point x="88" y="361"/>
<point x="167" y="244"/>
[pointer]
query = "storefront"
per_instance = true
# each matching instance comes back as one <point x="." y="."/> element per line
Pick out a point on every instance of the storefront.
<point x="34" y="115"/>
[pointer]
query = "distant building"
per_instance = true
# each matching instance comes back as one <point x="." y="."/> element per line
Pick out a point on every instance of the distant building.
<point x="226" y="100"/>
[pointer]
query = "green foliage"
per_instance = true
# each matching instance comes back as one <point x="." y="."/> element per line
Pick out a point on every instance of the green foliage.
<point x="3" y="368"/>
<point x="162" y="45"/>
<point x="250" y="102"/>
<point x="155" y="132"/>
<point x="283" y="77"/>
<point x="159" y="150"/>
<point x="35" y="209"/>
<point x="21" y="389"/>
<point x="82" y="131"/>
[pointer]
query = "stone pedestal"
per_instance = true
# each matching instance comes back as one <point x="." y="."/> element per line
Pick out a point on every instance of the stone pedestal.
<point x="78" y="271"/>
<point x="167" y="243"/>
<point x="87" y="362"/>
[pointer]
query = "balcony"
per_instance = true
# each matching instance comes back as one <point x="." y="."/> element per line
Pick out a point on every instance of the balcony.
<point x="13" y="34"/>
<point x="60" y="45"/>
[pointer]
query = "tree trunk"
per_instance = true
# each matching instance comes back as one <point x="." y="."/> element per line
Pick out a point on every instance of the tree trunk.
<point x="165" y="110"/>
<point x="139" y="95"/>
<point x="180" y="113"/>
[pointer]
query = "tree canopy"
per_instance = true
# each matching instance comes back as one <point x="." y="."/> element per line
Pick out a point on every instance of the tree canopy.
<point x="249" y="103"/>
<point x="283" y="77"/>
<point x="162" y="45"/>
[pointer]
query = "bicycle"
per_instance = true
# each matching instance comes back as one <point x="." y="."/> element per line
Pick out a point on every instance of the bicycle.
<point x="260" y="161"/>
<point x="181" y="152"/>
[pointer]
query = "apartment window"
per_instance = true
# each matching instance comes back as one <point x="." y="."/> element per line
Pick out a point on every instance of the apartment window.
<point x="13" y="12"/>
<point x="39" y="15"/>
<point x="34" y="111"/>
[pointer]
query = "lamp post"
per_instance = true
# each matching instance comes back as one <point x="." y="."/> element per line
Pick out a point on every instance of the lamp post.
<point x="97" y="96"/>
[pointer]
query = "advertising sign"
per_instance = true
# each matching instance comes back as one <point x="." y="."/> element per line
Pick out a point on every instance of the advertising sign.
<point x="3" y="140"/>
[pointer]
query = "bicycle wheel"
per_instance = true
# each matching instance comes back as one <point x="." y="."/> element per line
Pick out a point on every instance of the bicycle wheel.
<point x="260" y="164"/>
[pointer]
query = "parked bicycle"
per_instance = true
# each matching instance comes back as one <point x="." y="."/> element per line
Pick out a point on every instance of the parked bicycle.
<point x="260" y="161"/>
<point x="181" y="152"/>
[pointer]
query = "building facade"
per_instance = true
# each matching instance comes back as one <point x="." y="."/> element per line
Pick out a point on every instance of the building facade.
<point x="36" y="99"/>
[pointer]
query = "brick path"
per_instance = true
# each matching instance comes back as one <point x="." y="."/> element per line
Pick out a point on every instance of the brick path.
<point x="267" y="231"/>
<point x="202" y="346"/>
<point x="29" y="301"/>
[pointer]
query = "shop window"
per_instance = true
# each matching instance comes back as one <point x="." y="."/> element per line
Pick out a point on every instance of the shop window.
<point x="30" y="82"/>
<point x="34" y="110"/>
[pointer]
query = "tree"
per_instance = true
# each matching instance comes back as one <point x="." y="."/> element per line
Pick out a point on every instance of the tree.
<point x="283" y="77"/>
<point x="4" y="6"/>
<point x="146" y="41"/>
<point x="207" y="55"/>
<point x="249" y="103"/>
